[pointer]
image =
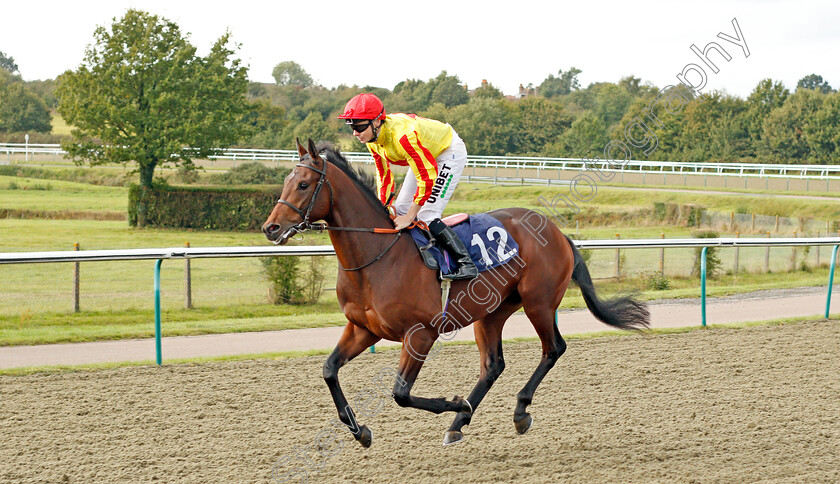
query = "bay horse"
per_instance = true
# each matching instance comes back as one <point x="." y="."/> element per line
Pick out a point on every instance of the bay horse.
<point x="387" y="292"/>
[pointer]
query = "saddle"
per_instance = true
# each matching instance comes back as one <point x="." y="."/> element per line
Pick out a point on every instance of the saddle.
<point x="485" y="238"/>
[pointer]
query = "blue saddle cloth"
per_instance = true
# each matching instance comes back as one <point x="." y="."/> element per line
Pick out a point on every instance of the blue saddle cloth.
<point x="485" y="238"/>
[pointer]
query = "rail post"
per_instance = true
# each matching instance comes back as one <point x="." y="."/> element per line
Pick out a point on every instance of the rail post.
<point x="187" y="280"/>
<point x="76" y="291"/>
<point x="703" y="286"/>
<point x="767" y="256"/>
<point x="662" y="259"/>
<point x="831" y="279"/>
<point x="158" y="357"/>
<point x="618" y="260"/>
<point x="818" y="252"/>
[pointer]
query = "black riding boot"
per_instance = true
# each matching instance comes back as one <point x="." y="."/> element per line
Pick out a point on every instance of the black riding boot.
<point x="448" y="240"/>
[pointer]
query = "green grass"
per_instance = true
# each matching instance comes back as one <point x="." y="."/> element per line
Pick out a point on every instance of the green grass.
<point x="41" y="235"/>
<point x="230" y="294"/>
<point x="46" y="328"/>
<point x="59" y="126"/>
<point x="477" y="197"/>
<point x="57" y="195"/>
<point x="57" y="327"/>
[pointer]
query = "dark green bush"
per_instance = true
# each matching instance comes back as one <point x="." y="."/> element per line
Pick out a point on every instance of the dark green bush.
<point x="283" y="284"/>
<point x="204" y="207"/>
<point x="713" y="264"/>
<point x="657" y="281"/>
<point x="294" y="280"/>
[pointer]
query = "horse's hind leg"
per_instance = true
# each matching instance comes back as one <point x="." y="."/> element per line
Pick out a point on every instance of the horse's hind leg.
<point x="488" y="337"/>
<point x="416" y="347"/>
<point x="553" y="346"/>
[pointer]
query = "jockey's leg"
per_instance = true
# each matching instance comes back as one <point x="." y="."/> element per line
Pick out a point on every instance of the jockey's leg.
<point x="446" y="237"/>
<point x="450" y="164"/>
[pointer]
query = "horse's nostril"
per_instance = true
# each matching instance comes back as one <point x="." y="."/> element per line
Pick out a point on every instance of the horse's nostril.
<point x="271" y="228"/>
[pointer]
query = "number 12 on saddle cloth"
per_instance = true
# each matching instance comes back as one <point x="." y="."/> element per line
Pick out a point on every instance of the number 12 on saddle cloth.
<point x="486" y="239"/>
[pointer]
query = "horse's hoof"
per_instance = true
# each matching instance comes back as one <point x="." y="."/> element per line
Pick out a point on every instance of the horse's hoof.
<point x="464" y="405"/>
<point x="365" y="436"/>
<point x="452" y="437"/>
<point x="523" y="424"/>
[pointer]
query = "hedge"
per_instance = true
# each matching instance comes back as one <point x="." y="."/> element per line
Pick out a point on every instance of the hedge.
<point x="213" y="208"/>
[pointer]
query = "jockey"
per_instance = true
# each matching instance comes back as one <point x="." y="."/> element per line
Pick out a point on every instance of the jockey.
<point x="436" y="155"/>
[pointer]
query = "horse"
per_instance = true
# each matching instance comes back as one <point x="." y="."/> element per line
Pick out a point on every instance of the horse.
<point x="387" y="292"/>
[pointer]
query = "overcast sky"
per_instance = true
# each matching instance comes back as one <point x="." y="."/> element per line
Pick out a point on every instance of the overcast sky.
<point x="508" y="43"/>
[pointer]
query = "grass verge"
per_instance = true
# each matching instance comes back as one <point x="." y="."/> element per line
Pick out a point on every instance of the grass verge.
<point x="50" y="328"/>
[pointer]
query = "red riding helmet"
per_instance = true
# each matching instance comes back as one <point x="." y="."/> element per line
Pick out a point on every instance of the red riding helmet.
<point x="363" y="106"/>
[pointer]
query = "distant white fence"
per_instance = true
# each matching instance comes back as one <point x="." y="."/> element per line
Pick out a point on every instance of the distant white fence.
<point x="756" y="170"/>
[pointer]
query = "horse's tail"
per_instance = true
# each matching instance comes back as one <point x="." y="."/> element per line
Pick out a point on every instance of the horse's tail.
<point x="622" y="312"/>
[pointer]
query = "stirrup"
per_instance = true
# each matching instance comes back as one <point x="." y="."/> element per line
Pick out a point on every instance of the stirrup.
<point x="463" y="272"/>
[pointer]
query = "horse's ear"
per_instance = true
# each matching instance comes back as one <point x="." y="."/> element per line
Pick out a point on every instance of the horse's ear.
<point x="313" y="152"/>
<point x="300" y="148"/>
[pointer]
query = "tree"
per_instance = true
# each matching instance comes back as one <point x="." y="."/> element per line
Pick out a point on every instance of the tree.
<point x="610" y="101"/>
<point x="786" y="129"/>
<point x="823" y="131"/>
<point x="814" y="81"/>
<point x="448" y="90"/>
<point x="143" y="95"/>
<point x="8" y="63"/>
<point x="266" y="123"/>
<point x="488" y="90"/>
<point x="767" y="96"/>
<point x="413" y="96"/>
<point x="487" y="125"/>
<point x="563" y="84"/>
<point x="20" y="109"/>
<point x="586" y="136"/>
<point x="537" y="123"/>
<point x="290" y="73"/>
<point x="315" y="127"/>
<point x="631" y="84"/>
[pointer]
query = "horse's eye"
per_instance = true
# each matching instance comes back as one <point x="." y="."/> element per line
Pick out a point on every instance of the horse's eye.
<point x="303" y="186"/>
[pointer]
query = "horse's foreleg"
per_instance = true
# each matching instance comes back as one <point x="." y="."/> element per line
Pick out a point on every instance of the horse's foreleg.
<point x="354" y="340"/>
<point x="416" y="347"/>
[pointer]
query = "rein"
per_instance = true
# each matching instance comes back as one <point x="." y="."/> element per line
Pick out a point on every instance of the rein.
<point x="305" y="224"/>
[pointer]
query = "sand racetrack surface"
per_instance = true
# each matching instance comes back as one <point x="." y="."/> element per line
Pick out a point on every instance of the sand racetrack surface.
<point x="720" y="405"/>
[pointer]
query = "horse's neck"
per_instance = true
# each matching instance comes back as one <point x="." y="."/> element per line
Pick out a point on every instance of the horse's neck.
<point x="357" y="248"/>
<point x="355" y="211"/>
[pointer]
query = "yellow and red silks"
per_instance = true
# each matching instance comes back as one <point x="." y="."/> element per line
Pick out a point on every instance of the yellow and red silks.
<point x="413" y="141"/>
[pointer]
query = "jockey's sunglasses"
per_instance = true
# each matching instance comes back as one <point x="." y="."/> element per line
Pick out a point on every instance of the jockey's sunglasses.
<point x="359" y="125"/>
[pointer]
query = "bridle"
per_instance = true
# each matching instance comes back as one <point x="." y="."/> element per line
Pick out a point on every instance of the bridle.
<point x="305" y="224"/>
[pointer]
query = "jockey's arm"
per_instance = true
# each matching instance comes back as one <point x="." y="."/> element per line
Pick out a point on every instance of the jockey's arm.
<point x="403" y="221"/>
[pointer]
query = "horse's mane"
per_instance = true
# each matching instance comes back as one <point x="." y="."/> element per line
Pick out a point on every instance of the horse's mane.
<point x="365" y="181"/>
